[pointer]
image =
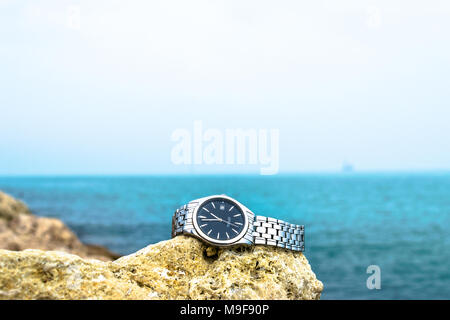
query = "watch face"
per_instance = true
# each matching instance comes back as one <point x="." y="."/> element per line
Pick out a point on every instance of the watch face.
<point x="220" y="219"/>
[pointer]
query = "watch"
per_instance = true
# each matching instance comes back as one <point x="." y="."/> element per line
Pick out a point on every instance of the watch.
<point x="223" y="221"/>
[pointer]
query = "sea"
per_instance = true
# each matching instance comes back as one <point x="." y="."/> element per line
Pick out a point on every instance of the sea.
<point x="397" y="224"/>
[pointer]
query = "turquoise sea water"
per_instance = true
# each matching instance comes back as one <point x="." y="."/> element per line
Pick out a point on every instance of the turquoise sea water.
<point x="400" y="222"/>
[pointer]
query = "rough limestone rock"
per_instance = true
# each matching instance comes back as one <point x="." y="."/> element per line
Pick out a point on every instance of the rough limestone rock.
<point x="19" y="230"/>
<point x="180" y="268"/>
<point x="10" y="207"/>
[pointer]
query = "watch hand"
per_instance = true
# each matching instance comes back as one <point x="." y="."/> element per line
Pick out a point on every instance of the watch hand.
<point x="230" y="223"/>
<point x="223" y="220"/>
<point x="214" y="216"/>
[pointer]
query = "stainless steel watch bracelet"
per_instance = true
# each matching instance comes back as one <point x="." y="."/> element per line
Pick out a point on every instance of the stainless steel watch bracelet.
<point x="266" y="231"/>
<point x="179" y="220"/>
<point x="274" y="232"/>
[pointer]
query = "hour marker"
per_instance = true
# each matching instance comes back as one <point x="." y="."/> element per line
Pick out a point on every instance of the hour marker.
<point x="205" y="209"/>
<point x="231" y="209"/>
<point x="212" y="203"/>
<point x="237" y="215"/>
<point x="234" y="230"/>
<point x="209" y="232"/>
<point x="222" y="207"/>
<point x="227" y="235"/>
<point x="203" y="225"/>
<point x="203" y="217"/>
<point x="218" y="235"/>
<point x="239" y="223"/>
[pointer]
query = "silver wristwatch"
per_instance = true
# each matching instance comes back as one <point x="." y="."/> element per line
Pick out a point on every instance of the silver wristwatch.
<point x="223" y="221"/>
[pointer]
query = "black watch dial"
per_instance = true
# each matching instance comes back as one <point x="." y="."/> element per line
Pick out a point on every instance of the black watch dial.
<point x="220" y="219"/>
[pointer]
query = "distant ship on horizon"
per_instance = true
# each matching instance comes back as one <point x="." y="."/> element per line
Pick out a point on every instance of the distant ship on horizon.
<point x="347" y="167"/>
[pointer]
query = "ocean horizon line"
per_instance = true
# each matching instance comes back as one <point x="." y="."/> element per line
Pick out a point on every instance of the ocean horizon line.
<point x="232" y="174"/>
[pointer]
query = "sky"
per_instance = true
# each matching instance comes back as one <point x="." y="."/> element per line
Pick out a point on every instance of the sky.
<point x="99" y="87"/>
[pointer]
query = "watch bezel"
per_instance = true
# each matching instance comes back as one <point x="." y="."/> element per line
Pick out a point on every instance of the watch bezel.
<point x="215" y="241"/>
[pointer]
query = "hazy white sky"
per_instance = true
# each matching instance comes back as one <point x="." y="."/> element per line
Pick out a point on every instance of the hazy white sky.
<point x="99" y="86"/>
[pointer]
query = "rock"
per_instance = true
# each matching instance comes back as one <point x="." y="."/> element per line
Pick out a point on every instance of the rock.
<point x="180" y="268"/>
<point x="10" y="207"/>
<point x="19" y="230"/>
